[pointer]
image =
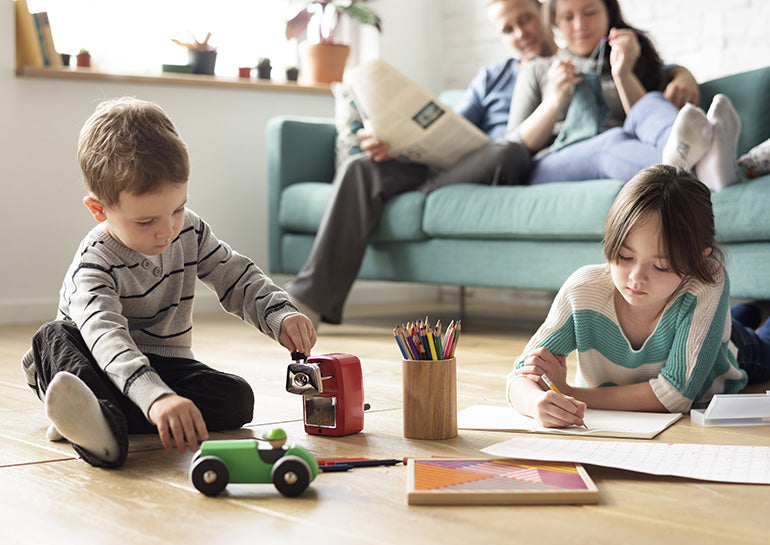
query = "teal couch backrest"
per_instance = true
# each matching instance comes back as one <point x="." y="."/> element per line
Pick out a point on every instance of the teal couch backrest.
<point x="750" y="94"/>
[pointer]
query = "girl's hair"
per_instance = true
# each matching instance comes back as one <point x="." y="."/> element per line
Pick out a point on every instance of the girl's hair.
<point x="682" y="203"/>
<point x="130" y="145"/>
<point x="649" y="66"/>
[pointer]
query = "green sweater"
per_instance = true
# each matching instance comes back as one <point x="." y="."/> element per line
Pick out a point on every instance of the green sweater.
<point x="689" y="356"/>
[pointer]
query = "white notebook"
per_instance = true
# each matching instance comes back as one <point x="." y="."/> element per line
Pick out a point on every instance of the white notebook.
<point x="600" y="423"/>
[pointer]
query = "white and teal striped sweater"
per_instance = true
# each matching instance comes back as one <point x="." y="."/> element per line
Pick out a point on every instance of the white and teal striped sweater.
<point x="126" y="306"/>
<point x="688" y="358"/>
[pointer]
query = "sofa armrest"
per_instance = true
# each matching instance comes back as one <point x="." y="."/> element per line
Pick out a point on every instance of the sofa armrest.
<point x="299" y="149"/>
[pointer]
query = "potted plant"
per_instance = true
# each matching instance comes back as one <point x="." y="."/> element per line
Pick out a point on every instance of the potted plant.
<point x="83" y="59"/>
<point x="264" y="68"/>
<point x="292" y="72"/>
<point x="202" y="56"/>
<point x="323" y="58"/>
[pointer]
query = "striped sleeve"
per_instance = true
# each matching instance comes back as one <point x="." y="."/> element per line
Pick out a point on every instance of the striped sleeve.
<point x="243" y="288"/>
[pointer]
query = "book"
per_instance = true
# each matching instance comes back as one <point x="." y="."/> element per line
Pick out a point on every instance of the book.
<point x="415" y="124"/>
<point x="497" y="481"/>
<point x="28" y="49"/>
<point x="51" y="56"/>
<point x="600" y="423"/>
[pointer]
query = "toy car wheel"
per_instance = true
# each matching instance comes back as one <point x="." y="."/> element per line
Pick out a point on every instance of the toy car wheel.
<point x="210" y="475"/>
<point x="291" y="475"/>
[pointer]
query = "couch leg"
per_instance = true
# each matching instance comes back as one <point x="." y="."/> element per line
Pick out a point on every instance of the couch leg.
<point x="462" y="303"/>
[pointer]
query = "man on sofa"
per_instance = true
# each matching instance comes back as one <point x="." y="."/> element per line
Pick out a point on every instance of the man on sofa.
<point x="366" y="181"/>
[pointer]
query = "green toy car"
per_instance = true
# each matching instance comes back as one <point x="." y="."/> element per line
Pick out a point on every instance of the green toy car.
<point x="290" y="468"/>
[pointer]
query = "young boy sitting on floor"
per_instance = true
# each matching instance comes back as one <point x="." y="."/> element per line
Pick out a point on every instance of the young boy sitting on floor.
<point x="118" y="360"/>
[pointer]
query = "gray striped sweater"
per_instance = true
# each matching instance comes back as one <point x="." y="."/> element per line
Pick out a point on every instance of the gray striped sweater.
<point x="125" y="306"/>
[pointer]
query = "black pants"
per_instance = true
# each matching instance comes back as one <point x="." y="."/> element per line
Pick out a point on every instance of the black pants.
<point x="226" y="401"/>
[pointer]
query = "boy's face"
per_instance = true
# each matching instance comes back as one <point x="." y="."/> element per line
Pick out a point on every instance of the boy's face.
<point x="520" y="26"/>
<point x="145" y="223"/>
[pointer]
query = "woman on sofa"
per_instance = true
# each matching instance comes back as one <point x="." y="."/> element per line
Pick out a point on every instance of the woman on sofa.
<point x="597" y="110"/>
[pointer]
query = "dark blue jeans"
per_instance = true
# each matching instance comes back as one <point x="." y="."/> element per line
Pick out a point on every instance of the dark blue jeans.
<point x="753" y="346"/>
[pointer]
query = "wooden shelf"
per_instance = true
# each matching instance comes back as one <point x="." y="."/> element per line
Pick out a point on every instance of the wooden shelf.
<point x="196" y="80"/>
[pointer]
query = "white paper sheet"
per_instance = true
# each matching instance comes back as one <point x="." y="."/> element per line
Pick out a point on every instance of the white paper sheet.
<point x="627" y="424"/>
<point x="727" y="463"/>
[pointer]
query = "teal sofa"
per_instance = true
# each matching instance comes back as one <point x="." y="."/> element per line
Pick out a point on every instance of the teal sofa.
<point x="521" y="237"/>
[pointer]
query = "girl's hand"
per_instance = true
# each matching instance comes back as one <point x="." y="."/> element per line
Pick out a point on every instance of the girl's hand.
<point x="541" y="362"/>
<point x="555" y="411"/>
<point x="562" y="79"/>
<point x="297" y="333"/>
<point x="178" y="418"/>
<point x="376" y="149"/>
<point x="625" y="51"/>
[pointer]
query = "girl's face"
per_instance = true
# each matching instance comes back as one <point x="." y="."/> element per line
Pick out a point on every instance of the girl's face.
<point x="582" y="23"/>
<point x="641" y="273"/>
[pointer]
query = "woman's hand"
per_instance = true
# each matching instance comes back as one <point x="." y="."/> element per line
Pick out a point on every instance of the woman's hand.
<point x="624" y="51"/>
<point x="562" y="78"/>
<point x="376" y="149"/>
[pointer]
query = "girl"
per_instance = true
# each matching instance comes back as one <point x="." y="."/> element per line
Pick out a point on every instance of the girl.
<point x="652" y="327"/>
<point x="609" y="77"/>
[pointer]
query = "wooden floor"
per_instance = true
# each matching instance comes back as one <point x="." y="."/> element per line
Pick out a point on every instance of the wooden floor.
<point x="48" y="495"/>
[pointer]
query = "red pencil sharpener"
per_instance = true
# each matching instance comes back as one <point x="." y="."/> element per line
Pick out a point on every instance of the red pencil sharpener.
<point x="332" y="388"/>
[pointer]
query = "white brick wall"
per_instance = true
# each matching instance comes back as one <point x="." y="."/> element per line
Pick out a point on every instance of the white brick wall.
<point x="710" y="37"/>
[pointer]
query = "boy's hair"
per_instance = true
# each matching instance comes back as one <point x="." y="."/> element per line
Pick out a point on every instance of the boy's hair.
<point x="682" y="203"/>
<point x="130" y="145"/>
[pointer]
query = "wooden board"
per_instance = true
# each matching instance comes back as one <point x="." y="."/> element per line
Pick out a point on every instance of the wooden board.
<point x="499" y="481"/>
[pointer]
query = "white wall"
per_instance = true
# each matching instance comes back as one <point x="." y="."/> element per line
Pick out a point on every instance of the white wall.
<point x="710" y="37"/>
<point x="41" y="209"/>
<point x="439" y="43"/>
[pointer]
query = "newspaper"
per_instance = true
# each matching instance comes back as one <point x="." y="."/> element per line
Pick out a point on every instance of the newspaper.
<point x="415" y="124"/>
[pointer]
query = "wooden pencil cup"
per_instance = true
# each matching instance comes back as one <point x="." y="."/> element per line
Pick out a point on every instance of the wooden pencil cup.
<point x="430" y="398"/>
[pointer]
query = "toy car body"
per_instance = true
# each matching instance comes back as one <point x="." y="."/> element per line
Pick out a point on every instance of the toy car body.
<point x="290" y="468"/>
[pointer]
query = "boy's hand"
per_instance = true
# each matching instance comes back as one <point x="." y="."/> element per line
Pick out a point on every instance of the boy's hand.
<point x="297" y="334"/>
<point x="178" y="417"/>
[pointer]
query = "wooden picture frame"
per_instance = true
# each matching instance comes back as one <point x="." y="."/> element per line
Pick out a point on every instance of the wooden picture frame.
<point x="497" y="481"/>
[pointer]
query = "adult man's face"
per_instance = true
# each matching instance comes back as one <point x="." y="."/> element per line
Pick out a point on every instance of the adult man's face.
<point x="520" y="26"/>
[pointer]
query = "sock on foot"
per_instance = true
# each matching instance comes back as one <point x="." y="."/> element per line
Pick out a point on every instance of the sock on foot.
<point x="53" y="435"/>
<point x="690" y="137"/>
<point x="718" y="168"/>
<point x="75" y="412"/>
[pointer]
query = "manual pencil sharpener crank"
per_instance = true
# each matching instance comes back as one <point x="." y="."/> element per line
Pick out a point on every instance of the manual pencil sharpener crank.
<point x="332" y="390"/>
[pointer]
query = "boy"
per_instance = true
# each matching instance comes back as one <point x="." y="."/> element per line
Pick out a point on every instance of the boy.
<point x="117" y="360"/>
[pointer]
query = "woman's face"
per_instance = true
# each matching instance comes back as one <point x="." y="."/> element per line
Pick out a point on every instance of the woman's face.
<point x="582" y="23"/>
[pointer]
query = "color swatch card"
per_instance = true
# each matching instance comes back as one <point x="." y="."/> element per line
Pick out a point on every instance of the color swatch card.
<point x="450" y="481"/>
<point x="629" y="424"/>
<point x="725" y="463"/>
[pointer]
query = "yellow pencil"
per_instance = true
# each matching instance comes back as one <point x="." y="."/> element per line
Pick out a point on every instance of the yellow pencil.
<point x="553" y="387"/>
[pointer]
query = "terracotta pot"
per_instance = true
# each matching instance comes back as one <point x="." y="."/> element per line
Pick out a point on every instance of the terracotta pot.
<point x="323" y="63"/>
<point x="83" y="60"/>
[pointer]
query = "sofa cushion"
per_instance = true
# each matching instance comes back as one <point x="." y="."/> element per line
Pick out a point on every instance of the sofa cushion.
<point x="302" y="206"/>
<point x="741" y="211"/>
<point x="521" y="212"/>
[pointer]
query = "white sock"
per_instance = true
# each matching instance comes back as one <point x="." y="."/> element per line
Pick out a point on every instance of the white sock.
<point x="689" y="139"/>
<point x="75" y="412"/>
<point x="718" y="168"/>
<point x="53" y="435"/>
